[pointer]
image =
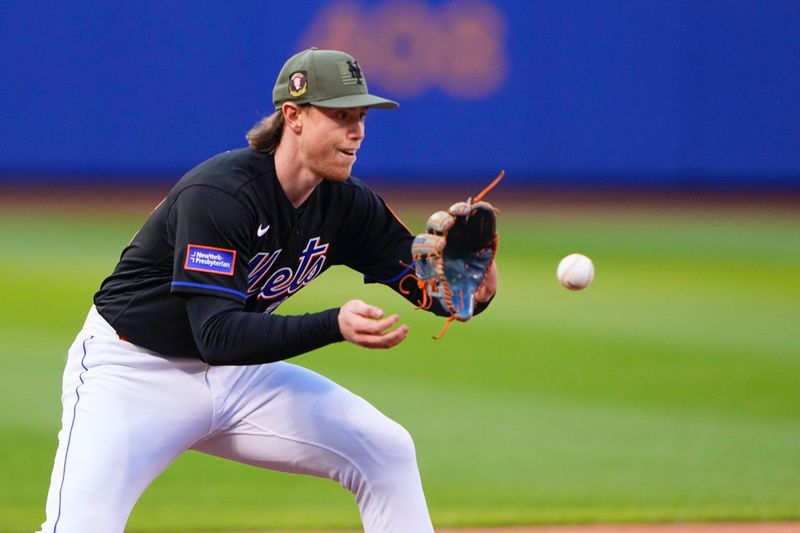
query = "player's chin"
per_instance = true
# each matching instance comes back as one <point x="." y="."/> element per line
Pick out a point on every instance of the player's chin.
<point x="339" y="173"/>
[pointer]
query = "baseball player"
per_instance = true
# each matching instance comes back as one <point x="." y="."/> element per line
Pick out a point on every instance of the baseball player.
<point x="182" y="348"/>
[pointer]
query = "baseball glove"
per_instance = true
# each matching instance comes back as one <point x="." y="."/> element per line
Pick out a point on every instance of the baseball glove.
<point x="453" y="257"/>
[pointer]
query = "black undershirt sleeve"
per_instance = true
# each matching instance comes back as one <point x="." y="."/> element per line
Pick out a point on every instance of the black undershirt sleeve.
<point x="227" y="335"/>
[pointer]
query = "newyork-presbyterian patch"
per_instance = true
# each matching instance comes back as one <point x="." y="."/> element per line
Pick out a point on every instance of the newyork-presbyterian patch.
<point x="210" y="259"/>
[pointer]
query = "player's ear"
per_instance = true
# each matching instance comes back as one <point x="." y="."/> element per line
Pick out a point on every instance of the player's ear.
<point x="292" y="116"/>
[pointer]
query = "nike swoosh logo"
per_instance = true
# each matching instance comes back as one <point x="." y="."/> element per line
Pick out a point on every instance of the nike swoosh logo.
<point x="262" y="230"/>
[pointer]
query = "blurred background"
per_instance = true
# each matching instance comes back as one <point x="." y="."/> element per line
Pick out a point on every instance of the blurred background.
<point x="661" y="138"/>
<point x="642" y="94"/>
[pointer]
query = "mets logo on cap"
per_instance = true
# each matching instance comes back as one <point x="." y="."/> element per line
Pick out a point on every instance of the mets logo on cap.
<point x="298" y="83"/>
<point x="350" y="72"/>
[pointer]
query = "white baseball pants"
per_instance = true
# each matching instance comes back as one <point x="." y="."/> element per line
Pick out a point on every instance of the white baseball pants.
<point x="128" y="413"/>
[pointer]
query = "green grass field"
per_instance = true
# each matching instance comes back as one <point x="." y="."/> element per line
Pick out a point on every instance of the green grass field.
<point x="667" y="391"/>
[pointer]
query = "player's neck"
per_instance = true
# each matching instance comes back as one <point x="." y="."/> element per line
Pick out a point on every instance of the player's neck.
<point x="297" y="181"/>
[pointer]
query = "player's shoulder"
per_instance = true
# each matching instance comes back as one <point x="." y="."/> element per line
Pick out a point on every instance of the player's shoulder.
<point x="351" y="199"/>
<point x="352" y="189"/>
<point x="229" y="171"/>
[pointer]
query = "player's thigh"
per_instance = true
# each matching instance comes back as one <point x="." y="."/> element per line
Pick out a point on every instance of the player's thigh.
<point x="127" y="415"/>
<point x="296" y="420"/>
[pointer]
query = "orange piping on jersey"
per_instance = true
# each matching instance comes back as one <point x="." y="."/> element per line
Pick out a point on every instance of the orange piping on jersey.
<point x="397" y="217"/>
<point x="159" y="205"/>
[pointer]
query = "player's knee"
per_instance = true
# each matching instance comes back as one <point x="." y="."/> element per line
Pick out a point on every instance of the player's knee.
<point x="400" y="446"/>
<point x="386" y="445"/>
<point x="381" y="456"/>
<point x="367" y="438"/>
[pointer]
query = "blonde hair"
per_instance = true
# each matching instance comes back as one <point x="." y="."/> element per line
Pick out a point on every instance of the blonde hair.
<point x="265" y="136"/>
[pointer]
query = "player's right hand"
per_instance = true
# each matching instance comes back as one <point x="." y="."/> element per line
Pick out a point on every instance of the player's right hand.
<point x="364" y="325"/>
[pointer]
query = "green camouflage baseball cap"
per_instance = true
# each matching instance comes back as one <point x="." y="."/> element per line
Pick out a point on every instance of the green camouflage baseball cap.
<point x="325" y="78"/>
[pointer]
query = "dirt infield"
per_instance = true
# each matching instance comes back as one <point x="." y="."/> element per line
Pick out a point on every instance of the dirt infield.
<point x="765" y="527"/>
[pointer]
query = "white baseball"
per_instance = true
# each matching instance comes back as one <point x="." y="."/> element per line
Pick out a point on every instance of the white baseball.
<point x="575" y="272"/>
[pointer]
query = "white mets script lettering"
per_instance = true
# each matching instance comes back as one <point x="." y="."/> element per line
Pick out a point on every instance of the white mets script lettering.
<point x="285" y="281"/>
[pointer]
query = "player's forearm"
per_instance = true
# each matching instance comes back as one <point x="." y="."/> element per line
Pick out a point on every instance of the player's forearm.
<point x="226" y="335"/>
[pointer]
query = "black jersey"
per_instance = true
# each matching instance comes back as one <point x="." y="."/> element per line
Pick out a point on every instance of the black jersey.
<point x="228" y="230"/>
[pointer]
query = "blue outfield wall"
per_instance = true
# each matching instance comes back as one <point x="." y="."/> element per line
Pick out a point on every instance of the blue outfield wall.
<point x="638" y="92"/>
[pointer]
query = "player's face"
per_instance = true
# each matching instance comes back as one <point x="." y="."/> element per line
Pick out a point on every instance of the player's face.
<point x="330" y="140"/>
